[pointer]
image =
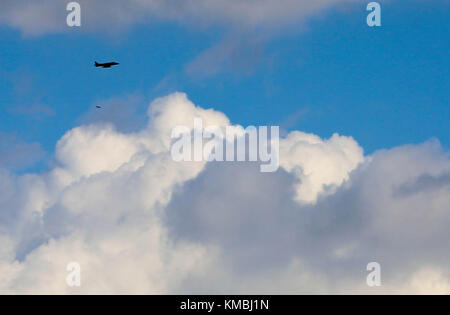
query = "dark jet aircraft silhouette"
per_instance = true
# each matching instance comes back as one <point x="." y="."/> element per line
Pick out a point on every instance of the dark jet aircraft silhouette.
<point x="106" y="65"/>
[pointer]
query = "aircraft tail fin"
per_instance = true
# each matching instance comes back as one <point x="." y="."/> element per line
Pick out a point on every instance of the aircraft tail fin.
<point x="97" y="64"/>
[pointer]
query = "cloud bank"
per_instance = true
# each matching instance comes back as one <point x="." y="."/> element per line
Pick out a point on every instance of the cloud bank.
<point x="35" y="17"/>
<point x="137" y="222"/>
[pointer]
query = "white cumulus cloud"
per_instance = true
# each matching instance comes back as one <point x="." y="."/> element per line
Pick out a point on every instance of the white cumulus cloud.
<point x="138" y="222"/>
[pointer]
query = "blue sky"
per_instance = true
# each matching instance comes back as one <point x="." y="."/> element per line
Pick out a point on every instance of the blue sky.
<point x="384" y="86"/>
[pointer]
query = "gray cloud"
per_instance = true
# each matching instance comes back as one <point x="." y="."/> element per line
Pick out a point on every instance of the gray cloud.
<point x="254" y="219"/>
<point x="235" y="53"/>
<point x="17" y="154"/>
<point x="42" y="16"/>
<point x="36" y="111"/>
<point x="28" y="98"/>
<point x="424" y="183"/>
